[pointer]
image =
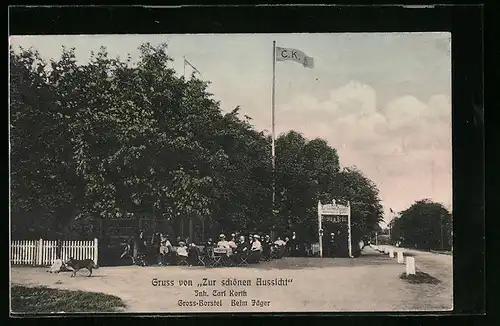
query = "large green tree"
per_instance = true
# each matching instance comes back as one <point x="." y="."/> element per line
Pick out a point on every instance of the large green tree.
<point x="110" y="138"/>
<point x="366" y="210"/>
<point x="425" y="225"/>
<point x="44" y="183"/>
<point x="308" y="171"/>
<point x="113" y="139"/>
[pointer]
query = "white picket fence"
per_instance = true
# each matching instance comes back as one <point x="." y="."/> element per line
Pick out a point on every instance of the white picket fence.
<point x="43" y="252"/>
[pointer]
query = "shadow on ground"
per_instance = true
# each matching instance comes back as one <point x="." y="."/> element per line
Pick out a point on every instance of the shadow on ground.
<point x="368" y="257"/>
<point x="419" y="278"/>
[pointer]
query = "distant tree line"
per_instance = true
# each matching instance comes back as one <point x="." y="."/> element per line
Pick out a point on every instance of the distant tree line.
<point x="112" y="138"/>
<point x="424" y="225"/>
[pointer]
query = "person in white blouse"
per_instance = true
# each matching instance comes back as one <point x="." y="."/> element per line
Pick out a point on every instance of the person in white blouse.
<point x="279" y="242"/>
<point x="182" y="250"/>
<point x="222" y="242"/>
<point x="256" y="245"/>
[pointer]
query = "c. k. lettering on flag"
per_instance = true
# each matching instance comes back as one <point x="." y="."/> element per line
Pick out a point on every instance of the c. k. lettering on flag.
<point x="283" y="54"/>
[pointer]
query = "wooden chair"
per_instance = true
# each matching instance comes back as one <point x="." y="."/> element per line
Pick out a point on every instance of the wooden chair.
<point x="219" y="257"/>
<point x="242" y="259"/>
<point x="194" y="254"/>
<point x="282" y="251"/>
<point x="182" y="260"/>
<point x="254" y="257"/>
<point x="213" y="260"/>
<point x="205" y="258"/>
<point x="171" y="256"/>
<point x="227" y="258"/>
<point x="201" y="260"/>
<point x="275" y="252"/>
<point x="266" y="254"/>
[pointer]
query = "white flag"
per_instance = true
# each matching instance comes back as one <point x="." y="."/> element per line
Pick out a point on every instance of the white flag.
<point x="283" y="54"/>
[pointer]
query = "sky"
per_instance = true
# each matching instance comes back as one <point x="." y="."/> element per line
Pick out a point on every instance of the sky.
<point x="383" y="100"/>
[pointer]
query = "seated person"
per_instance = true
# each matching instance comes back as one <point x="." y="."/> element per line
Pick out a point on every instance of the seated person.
<point x="256" y="245"/>
<point x="287" y="245"/>
<point x="279" y="242"/>
<point x="142" y="243"/>
<point x="222" y="242"/>
<point x="255" y="250"/>
<point x="165" y="248"/>
<point x="232" y="242"/>
<point x="242" y="247"/>
<point x="209" y="246"/>
<point x="182" y="251"/>
<point x="193" y="253"/>
<point x="155" y="243"/>
<point x="266" y="246"/>
<point x="127" y="249"/>
<point x="276" y="247"/>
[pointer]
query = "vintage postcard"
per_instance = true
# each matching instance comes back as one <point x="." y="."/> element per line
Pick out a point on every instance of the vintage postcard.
<point x="230" y="173"/>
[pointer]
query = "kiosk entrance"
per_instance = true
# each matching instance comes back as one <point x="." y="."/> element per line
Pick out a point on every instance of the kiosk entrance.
<point x="338" y="218"/>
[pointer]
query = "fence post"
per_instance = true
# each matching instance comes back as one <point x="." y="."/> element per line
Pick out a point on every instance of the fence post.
<point x="39" y="253"/>
<point x="410" y="266"/>
<point x="400" y="257"/>
<point x="96" y="251"/>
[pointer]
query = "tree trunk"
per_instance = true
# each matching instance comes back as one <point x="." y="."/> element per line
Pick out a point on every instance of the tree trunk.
<point x="101" y="228"/>
<point x="58" y="249"/>
<point x="203" y="230"/>
<point x="191" y="229"/>
<point x="136" y="247"/>
<point x="138" y="224"/>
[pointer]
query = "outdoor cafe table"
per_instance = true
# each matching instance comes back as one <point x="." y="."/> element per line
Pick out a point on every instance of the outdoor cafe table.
<point x="224" y="254"/>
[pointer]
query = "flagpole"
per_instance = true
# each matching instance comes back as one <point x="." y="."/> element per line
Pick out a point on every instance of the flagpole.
<point x="349" y="231"/>
<point x="184" y="57"/>
<point x="273" y="156"/>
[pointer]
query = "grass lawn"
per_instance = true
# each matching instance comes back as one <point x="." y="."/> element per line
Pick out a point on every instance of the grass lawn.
<point x="47" y="300"/>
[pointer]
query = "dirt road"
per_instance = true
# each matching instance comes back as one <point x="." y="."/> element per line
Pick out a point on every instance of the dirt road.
<point x="435" y="264"/>
<point x="368" y="283"/>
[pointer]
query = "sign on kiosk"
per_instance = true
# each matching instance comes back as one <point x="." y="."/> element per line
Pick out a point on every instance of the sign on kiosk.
<point x="335" y="219"/>
<point x="334" y="209"/>
<point x="337" y="214"/>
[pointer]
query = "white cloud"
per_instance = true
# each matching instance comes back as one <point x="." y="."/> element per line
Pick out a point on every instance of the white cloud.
<point x="354" y="98"/>
<point x="395" y="145"/>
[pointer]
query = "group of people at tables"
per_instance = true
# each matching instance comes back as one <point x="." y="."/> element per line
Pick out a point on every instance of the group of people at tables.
<point x="252" y="248"/>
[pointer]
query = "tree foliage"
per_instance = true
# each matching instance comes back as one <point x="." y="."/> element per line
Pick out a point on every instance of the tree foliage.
<point x="112" y="138"/>
<point x="308" y="171"/>
<point x="425" y="224"/>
